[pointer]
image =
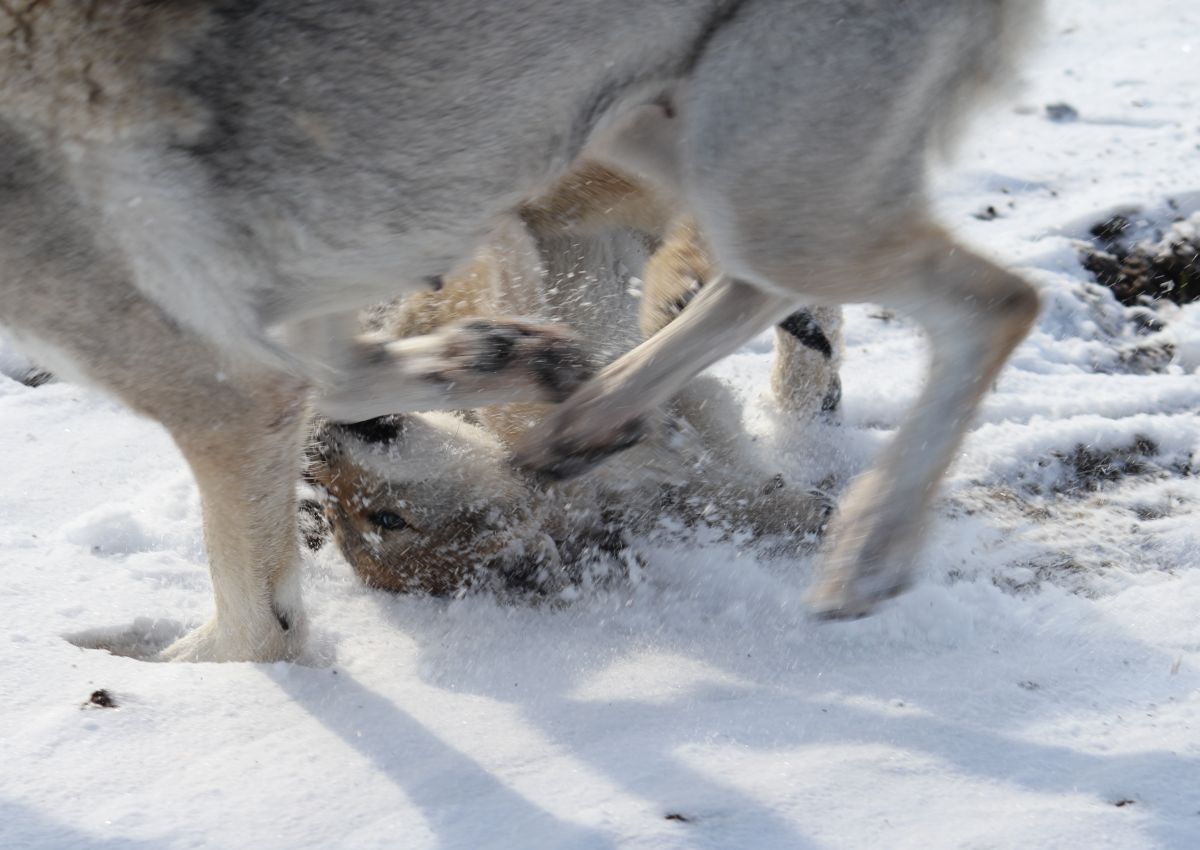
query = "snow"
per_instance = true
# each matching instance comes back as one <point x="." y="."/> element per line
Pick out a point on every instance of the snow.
<point x="1040" y="687"/>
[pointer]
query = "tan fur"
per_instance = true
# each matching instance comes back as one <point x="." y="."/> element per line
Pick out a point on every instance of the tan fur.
<point x="438" y="551"/>
<point x="592" y="198"/>
<point x="678" y="269"/>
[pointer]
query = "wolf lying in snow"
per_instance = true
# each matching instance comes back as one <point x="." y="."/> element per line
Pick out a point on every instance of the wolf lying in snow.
<point x="197" y="197"/>
<point x="429" y="502"/>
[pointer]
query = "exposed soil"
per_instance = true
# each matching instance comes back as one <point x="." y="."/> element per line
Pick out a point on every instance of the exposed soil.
<point x="1090" y="467"/>
<point x="1143" y="273"/>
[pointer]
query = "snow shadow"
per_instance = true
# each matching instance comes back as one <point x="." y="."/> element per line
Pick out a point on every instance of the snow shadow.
<point x="25" y="826"/>
<point x="482" y="808"/>
<point x="142" y="640"/>
<point x="464" y="803"/>
<point x="1151" y="780"/>
<point x="1148" y="782"/>
<point x="814" y="687"/>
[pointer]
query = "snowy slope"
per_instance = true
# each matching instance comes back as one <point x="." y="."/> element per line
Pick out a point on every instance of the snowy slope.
<point x="1040" y="687"/>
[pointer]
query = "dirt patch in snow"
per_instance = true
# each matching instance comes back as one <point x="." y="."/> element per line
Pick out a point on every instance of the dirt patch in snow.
<point x="1143" y="273"/>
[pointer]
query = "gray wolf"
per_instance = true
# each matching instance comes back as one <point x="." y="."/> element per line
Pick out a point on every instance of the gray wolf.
<point x="429" y="501"/>
<point x="197" y="196"/>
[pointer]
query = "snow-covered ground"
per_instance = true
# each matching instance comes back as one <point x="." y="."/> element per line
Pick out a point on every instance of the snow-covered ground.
<point x="1039" y="688"/>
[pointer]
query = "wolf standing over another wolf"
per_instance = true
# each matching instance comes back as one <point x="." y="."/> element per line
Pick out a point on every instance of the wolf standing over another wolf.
<point x="197" y="196"/>
<point x="429" y="502"/>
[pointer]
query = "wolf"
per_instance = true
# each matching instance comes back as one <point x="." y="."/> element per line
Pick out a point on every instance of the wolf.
<point x="197" y="197"/>
<point x="428" y="502"/>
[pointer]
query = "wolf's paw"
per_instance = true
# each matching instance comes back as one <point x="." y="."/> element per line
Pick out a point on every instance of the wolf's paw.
<point x="212" y="642"/>
<point x="535" y="361"/>
<point x="869" y="560"/>
<point x="566" y="445"/>
<point x="474" y="363"/>
<point x="838" y="597"/>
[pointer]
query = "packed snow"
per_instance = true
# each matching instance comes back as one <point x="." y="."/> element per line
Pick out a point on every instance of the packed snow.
<point x="1040" y="687"/>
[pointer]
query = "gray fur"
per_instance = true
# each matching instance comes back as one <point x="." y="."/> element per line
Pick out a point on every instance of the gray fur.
<point x="181" y="183"/>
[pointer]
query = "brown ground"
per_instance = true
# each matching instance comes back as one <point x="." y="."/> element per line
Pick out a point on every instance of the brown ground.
<point x="1142" y="273"/>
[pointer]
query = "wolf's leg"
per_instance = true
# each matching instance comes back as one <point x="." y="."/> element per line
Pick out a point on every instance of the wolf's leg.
<point x="237" y="425"/>
<point x="805" y="376"/>
<point x="240" y="431"/>
<point x="806" y="185"/>
<point x="470" y="363"/>
<point x="808" y="343"/>
<point x="976" y="313"/>
<point x="244" y="452"/>
<point x="608" y="413"/>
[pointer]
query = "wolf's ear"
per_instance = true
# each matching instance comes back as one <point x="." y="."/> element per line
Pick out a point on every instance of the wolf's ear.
<point x="382" y="429"/>
<point x="326" y="439"/>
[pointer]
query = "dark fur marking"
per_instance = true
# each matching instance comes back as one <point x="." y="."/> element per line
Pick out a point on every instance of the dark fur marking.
<point x="720" y="17"/>
<point x="594" y="107"/>
<point x="382" y="429"/>
<point x="575" y="461"/>
<point x="20" y="24"/>
<point x="373" y="354"/>
<point x="35" y="377"/>
<point x="314" y="525"/>
<point x="560" y="370"/>
<point x="222" y="137"/>
<point x="804" y="328"/>
<point x="776" y="483"/>
<point x="684" y="299"/>
<point x="282" y="619"/>
<point x="496" y="349"/>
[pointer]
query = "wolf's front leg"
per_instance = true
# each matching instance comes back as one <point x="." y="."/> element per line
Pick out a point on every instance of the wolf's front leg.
<point x="610" y="412"/>
<point x="471" y="363"/>
<point x="244" y="449"/>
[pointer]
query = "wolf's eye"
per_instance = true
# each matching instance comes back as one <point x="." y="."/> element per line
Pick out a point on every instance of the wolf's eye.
<point x="387" y="520"/>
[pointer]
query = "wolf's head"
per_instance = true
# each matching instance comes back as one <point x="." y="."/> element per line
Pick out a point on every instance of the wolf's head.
<point x="429" y="503"/>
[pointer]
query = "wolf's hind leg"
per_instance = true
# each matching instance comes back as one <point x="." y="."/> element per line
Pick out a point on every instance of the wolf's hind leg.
<point x="976" y="314"/>
<point x="808" y="343"/>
